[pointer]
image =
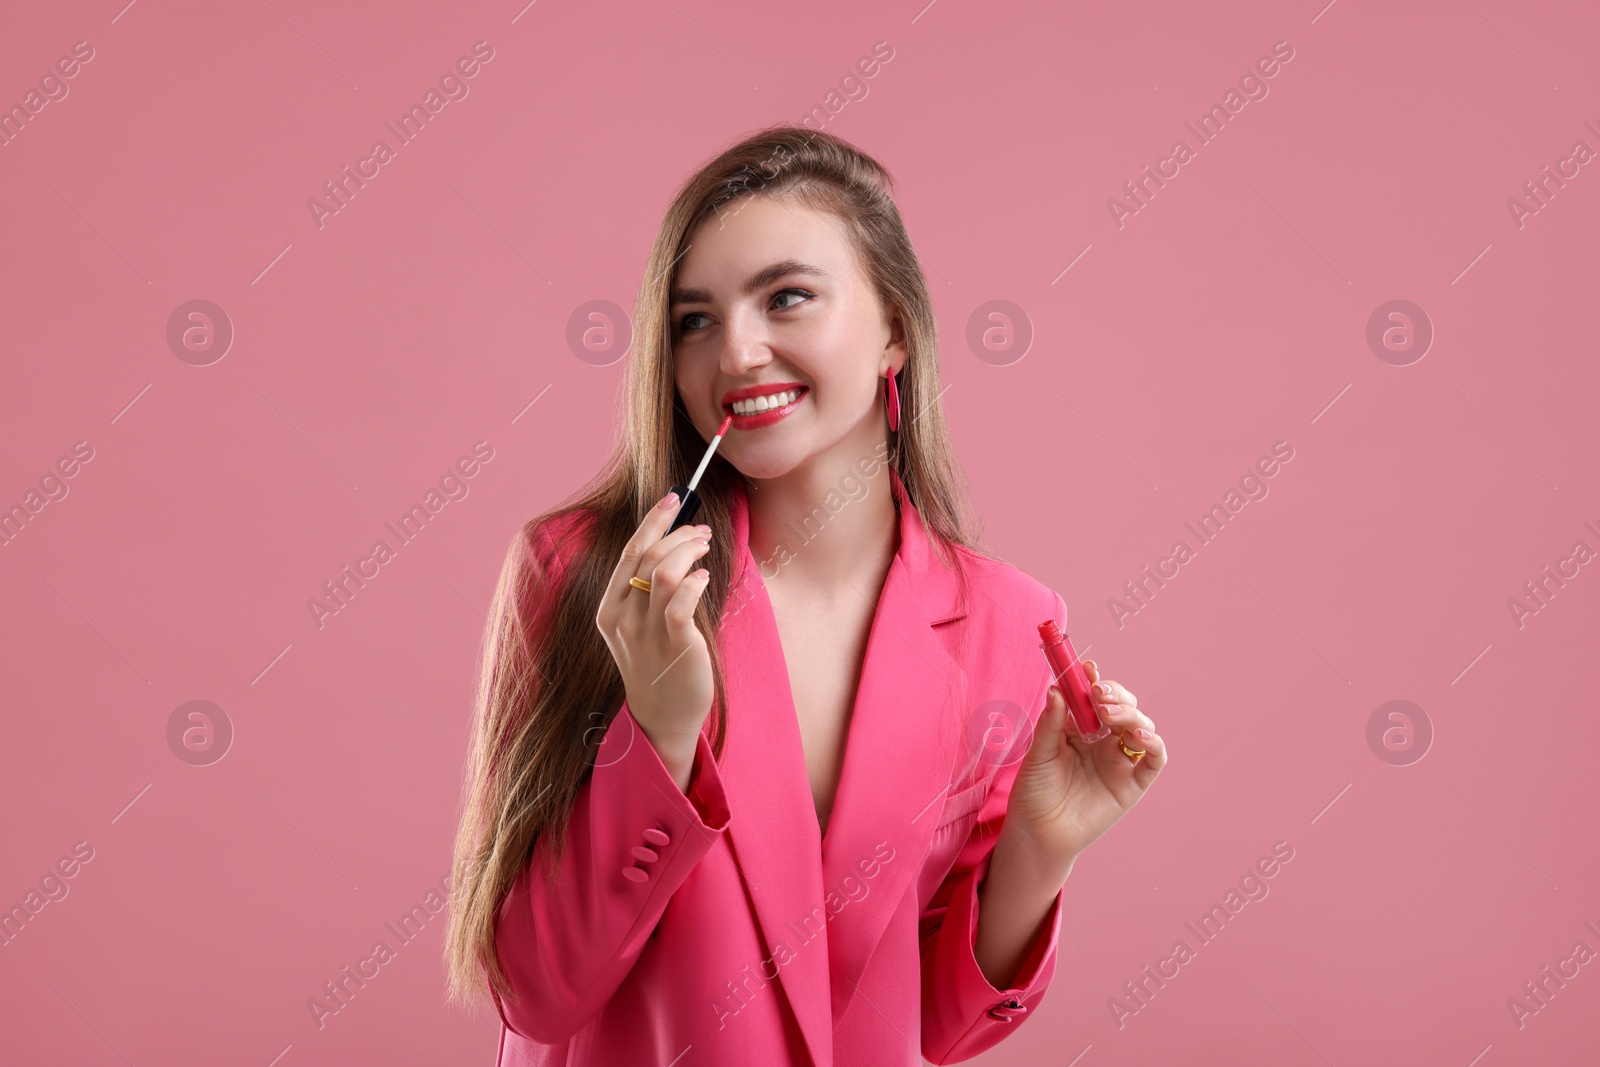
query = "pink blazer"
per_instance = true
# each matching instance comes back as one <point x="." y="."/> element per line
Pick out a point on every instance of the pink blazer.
<point x="720" y="928"/>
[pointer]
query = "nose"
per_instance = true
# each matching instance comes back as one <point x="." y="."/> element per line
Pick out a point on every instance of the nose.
<point x="744" y="344"/>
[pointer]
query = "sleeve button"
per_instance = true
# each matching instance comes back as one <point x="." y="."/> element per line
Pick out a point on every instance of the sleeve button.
<point x="634" y="874"/>
<point x="649" y="855"/>
<point x="1006" y="1009"/>
<point x="656" y="837"/>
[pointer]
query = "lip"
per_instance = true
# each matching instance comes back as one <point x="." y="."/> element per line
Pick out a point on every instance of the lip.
<point x="771" y="415"/>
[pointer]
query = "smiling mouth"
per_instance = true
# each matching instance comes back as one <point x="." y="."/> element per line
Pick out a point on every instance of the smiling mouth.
<point x="759" y="404"/>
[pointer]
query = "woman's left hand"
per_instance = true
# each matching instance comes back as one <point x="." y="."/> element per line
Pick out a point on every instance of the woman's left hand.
<point x="1067" y="793"/>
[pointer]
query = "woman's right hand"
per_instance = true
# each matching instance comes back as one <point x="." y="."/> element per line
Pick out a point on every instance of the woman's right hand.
<point x="665" y="665"/>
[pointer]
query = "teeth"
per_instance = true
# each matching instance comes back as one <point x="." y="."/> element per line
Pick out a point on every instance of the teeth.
<point x="756" y="405"/>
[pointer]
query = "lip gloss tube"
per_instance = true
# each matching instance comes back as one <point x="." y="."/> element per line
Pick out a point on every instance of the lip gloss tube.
<point x="1072" y="680"/>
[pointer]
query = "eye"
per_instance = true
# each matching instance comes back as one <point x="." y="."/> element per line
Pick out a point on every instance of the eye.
<point x="786" y="292"/>
<point x="683" y="323"/>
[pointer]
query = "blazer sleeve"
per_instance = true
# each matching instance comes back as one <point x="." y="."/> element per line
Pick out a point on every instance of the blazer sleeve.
<point x="633" y="837"/>
<point x="962" y="1014"/>
<point x="567" y="943"/>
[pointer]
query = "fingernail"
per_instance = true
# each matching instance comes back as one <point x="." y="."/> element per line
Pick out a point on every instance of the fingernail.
<point x="1144" y="734"/>
<point x="1103" y="689"/>
<point x="667" y="501"/>
<point x="703" y="528"/>
<point x="701" y="573"/>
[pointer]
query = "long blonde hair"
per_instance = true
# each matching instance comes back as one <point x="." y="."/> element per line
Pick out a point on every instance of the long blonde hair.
<point x="547" y="678"/>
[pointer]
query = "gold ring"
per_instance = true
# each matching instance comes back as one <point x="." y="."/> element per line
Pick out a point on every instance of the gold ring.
<point x="640" y="583"/>
<point x="1133" y="754"/>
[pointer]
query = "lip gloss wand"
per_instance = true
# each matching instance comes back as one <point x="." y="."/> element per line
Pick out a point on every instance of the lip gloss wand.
<point x="689" y="499"/>
<point x="1073" y="681"/>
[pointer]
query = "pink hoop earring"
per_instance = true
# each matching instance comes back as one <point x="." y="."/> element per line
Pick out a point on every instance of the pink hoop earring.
<point x="891" y="401"/>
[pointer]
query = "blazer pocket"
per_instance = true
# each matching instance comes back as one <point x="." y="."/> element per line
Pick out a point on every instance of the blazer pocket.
<point x="963" y="803"/>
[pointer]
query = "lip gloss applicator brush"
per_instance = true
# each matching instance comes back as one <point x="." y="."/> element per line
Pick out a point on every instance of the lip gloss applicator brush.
<point x="689" y="499"/>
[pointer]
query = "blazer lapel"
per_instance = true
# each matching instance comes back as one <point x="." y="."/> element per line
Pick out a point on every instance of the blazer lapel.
<point x="774" y="829"/>
<point x="905" y="736"/>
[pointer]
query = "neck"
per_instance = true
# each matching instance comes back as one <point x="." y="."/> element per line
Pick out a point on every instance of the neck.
<point x="825" y="530"/>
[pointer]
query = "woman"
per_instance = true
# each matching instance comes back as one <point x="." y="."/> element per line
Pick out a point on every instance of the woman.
<point x="839" y="832"/>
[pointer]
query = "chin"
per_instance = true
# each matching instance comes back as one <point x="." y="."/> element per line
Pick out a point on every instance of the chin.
<point x="763" y="471"/>
<point x="761" y="464"/>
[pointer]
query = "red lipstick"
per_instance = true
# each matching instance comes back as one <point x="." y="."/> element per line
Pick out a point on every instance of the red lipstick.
<point x="771" y="415"/>
<point x="1072" y="680"/>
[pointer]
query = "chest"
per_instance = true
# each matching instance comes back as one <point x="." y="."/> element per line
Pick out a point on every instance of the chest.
<point x="824" y="648"/>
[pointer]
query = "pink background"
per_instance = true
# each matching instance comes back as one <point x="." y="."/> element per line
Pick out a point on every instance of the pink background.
<point x="1228" y="314"/>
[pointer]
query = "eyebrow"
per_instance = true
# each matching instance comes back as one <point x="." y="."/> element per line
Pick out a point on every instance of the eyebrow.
<point x="757" y="281"/>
